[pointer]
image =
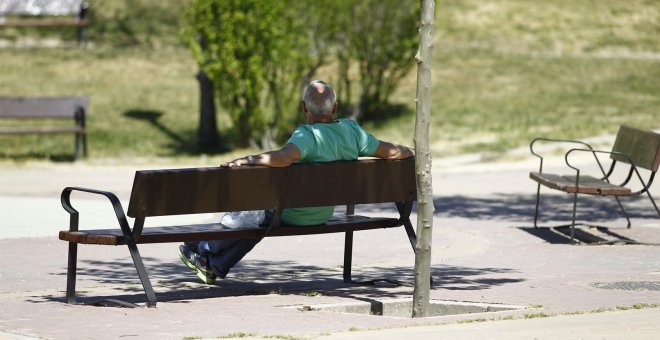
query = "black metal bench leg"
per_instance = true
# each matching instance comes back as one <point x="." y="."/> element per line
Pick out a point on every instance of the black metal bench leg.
<point x="79" y="149"/>
<point x="348" y="256"/>
<point x="623" y="210"/>
<point x="71" y="273"/>
<point x="538" y="199"/>
<point x="412" y="237"/>
<point x="142" y="273"/>
<point x="81" y="135"/>
<point x="573" y="221"/>
<point x="653" y="201"/>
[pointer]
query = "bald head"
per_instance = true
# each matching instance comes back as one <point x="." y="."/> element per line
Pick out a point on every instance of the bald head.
<point x="319" y="98"/>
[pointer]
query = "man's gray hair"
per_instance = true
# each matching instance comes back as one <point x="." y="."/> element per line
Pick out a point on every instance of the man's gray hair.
<point x="319" y="102"/>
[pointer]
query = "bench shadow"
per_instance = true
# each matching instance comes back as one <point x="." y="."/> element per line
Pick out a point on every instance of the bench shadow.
<point x="520" y="208"/>
<point x="175" y="283"/>
<point x="555" y="209"/>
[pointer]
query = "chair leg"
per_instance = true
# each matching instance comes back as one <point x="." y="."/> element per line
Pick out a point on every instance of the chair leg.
<point x="538" y="199"/>
<point x="348" y="256"/>
<point x="71" y="273"/>
<point x="142" y="273"/>
<point x="412" y="237"/>
<point x="623" y="210"/>
<point x="653" y="201"/>
<point x="573" y="220"/>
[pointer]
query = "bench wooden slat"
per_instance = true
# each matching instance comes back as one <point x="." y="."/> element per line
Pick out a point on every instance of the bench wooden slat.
<point x="51" y="22"/>
<point x="558" y="182"/>
<point x="588" y="185"/>
<point x="603" y="188"/>
<point x="20" y="131"/>
<point x="216" y="231"/>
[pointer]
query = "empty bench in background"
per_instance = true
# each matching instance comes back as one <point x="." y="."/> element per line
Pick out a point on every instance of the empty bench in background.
<point x="637" y="150"/>
<point x="211" y="190"/>
<point x="47" y="108"/>
<point x="46" y="14"/>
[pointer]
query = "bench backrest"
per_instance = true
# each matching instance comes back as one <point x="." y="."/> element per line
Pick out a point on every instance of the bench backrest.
<point x="642" y="146"/>
<point x="40" y="107"/>
<point x="209" y="190"/>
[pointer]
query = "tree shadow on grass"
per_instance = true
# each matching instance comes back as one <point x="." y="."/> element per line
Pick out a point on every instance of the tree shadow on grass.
<point x="179" y="143"/>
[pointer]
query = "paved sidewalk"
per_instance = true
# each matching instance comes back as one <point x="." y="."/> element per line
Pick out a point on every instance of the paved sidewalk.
<point x="484" y="251"/>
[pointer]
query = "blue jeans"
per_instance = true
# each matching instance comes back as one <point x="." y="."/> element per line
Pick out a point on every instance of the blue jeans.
<point x="224" y="254"/>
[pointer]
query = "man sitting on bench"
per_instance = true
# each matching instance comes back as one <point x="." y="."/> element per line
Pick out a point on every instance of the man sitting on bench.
<point x="322" y="139"/>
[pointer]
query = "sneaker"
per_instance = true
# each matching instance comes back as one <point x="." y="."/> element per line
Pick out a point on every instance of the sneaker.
<point x="198" y="263"/>
<point x="191" y="245"/>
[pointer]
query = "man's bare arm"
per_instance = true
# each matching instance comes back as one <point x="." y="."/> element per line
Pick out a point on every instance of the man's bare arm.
<point x="388" y="150"/>
<point x="276" y="159"/>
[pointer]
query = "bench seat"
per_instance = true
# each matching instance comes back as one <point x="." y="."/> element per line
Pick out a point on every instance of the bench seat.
<point x="217" y="231"/>
<point x="588" y="185"/>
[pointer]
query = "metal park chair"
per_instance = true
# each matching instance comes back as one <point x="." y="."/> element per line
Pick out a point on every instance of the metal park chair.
<point x="633" y="148"/>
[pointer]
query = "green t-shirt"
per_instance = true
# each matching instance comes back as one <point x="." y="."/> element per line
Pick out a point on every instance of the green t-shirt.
<point x="340" y="140"/>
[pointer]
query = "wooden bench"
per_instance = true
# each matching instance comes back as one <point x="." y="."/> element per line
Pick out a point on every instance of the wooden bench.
<point x="638" y="149"/>
<point x="45" y="14"/>
<point x="47" y="108"/>
<point x="211" y="190"/>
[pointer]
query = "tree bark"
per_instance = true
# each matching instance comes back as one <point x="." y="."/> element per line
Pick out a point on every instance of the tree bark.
<point x="207" y="134"/>
<point x="423" y="162"/>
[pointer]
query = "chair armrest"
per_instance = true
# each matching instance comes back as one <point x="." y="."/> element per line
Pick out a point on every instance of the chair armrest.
<point x="633" y="166"/>
<point x="65" y="198"/>
<point x="566" y="157"/>
<point x="543" y="139"/>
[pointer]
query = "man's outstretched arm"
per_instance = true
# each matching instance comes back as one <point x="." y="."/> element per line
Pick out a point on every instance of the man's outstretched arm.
<point x="388" y="150"/>
<point x="276" y="159"/>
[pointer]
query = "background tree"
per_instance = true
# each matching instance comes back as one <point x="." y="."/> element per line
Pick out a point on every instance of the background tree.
<point x="257" y="55"/>
<point x="129" y="23"/>
<point x="381" y="39"/>
<point x="423" y="161"/>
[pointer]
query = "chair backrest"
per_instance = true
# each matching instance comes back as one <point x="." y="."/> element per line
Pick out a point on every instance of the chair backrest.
<point x="209" y="190"/>
<point x="642" y="146"/>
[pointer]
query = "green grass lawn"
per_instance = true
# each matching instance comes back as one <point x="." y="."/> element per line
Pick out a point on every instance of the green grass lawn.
<point x="504" y="72"/>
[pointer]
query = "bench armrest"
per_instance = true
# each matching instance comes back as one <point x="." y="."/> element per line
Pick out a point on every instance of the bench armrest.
<point x="65" y="198"/>
<point x="633" y="167"/>
<point x="543" y="139"/>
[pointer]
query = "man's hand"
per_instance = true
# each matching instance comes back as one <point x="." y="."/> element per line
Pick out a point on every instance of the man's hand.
<point x="388" y="150"/>
<point x="248" y="160"/>
<point x="278" y="158"/>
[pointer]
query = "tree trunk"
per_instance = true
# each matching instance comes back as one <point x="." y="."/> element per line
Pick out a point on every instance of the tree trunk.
<point x="423" y="162"/>
<point x="207" y="134"/>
